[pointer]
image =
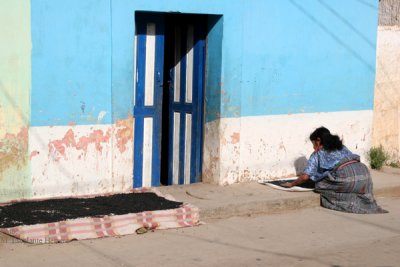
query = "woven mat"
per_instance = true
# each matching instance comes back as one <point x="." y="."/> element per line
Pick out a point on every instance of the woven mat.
<point x="115" y="225"/>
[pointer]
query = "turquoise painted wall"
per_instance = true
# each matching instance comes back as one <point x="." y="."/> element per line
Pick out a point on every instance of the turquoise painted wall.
<point x="278" y="57"/>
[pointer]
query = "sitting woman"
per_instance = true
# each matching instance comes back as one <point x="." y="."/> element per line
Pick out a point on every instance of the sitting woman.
<point x="344" y="182"/>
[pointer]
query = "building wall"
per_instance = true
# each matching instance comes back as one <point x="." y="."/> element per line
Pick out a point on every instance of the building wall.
<point x="389" y="11"/>
<point x="386" y="126"/>
<point x="15" y="85"/>
<point x="387" y="92"/>
<point x="314" y="67"/>
<point x="276" y="70"/>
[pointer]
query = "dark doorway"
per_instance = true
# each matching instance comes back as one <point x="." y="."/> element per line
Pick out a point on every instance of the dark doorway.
<point x="178" y="46"/>
<point x="169" y="98"/>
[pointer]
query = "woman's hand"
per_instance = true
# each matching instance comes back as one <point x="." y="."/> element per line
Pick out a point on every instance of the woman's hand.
<point x="301" y="179"/>
<point x="287" y="184"/>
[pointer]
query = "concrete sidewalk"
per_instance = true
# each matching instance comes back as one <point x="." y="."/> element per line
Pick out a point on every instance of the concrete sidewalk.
<point x="217" y="202"/>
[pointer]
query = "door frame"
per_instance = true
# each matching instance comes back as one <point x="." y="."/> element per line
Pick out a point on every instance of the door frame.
<point x="142" y="112"/>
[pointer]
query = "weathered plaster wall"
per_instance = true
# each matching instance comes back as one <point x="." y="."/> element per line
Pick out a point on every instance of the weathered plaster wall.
<point x="81" y="160"/>
<point x="77" y="132"/>
<point x="387" y="92"/>
<point x="78" y="143"/>
<point x="276" y="146"/>
<point x="389" y="13"/>
<point x="15" y="83"/>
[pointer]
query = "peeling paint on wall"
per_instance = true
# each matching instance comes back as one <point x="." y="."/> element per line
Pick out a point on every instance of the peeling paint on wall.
<point x="80" y="160"/>
<point x="33" y="154"/>
<point x="124" y="133"/>
<point x="96" y="137"/>
<point x="235" y="138"/>
<point x="71" y="160"/>
<point x="13" y="151"/>
<point x="122" y="159"/>
<point x="14" y="166"/>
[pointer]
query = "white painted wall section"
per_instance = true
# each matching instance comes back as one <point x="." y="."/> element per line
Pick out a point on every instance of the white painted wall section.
<point x="78" y="160"/>
<point x="253" y="148"/>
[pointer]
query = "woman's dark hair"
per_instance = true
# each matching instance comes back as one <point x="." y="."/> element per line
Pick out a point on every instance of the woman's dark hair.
<point x="329" y="142"/>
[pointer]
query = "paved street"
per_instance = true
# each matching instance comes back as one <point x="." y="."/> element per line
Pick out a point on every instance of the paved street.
<point x="307" y="237"/>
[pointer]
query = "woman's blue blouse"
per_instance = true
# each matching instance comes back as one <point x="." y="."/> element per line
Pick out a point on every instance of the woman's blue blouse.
<point x="321" y="162"/>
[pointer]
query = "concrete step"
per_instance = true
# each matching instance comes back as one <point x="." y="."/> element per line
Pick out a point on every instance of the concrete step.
<point x="244" y="199"/>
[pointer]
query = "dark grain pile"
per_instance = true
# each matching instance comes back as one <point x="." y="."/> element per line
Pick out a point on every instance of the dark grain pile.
<point x="54" y="210"/>
<point x="308" y="184"/>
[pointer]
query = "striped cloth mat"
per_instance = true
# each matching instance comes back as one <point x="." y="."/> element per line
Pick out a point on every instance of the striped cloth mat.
<point x="115" y="225"/>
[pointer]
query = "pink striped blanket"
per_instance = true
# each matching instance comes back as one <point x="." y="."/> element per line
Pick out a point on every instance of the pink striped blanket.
<point x="115" y="225"/>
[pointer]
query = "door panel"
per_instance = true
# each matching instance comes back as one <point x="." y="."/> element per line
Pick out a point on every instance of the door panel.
<point x="182" y="140"/>
<point x="186" y="100"/>
<point x="148" y="98"/>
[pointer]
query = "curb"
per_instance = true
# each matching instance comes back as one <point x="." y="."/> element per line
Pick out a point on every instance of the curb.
<point x="391" y="170"/>
<point x="276" y="206"/>
<point x="259" y="207"/>
<point x="392" y="191"/>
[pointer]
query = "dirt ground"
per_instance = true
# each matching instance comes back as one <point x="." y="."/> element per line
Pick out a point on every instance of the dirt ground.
<point x="307" y="237"/>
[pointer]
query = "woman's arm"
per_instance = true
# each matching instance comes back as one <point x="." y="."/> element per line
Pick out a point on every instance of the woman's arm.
<point x="301" y="179"/>
<point x="310" y="170"/>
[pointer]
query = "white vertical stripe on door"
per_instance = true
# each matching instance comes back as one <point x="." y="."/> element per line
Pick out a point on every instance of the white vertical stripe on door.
<point x="133" y="141"/>
<point x="147" y="151"/>
<point x="189" y="65"/>
<point x="175" y="144"/>
<point x="134" y="91"/>
<point x="188" y="147"/>
<point x="177" y="68"/>
<point x="150" y="60"/>
<point x="135" y="72"/>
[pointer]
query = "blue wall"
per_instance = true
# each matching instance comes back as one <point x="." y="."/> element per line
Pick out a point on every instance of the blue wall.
<point x="71" y="61"/>
<point x="308" y="56"/>
<point x="278" y="57"/>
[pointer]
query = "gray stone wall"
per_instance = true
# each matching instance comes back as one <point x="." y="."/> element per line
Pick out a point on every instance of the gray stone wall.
<point x="386" y="127"/>
<point x="389" y="13"/>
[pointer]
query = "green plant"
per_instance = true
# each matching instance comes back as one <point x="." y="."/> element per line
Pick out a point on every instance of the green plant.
<point x="394" y="164"/>
<point x="377" y="157"/>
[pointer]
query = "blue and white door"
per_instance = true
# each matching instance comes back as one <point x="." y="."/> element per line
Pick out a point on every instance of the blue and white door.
<point x="149" y="50"/>
<point x="168" y="104"/>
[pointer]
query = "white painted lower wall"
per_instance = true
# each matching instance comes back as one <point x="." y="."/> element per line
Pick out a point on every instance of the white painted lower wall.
<point x="252" y="148"/>
<point x="81" y="160"/>
<point x="95" y="159"/>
